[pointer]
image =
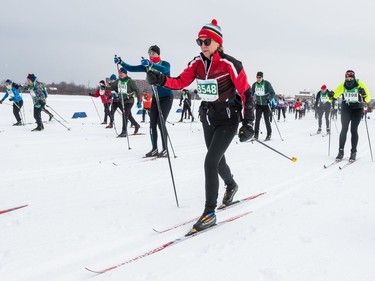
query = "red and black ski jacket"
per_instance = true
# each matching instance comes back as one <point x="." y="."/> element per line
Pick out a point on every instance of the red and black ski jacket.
<point x="231" y="79"/>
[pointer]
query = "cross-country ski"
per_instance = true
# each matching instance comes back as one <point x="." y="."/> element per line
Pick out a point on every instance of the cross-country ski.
<point x="166" y="245"/>
<point x="220" y="208"/>
<point x="12" y="209"/>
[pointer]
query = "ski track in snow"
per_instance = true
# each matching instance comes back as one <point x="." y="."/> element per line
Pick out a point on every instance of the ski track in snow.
<point x="93" y="202"/>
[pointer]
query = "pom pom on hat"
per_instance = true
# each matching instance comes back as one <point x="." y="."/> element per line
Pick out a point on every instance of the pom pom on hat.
<point x="212" y="31"/>
<point x="350" y="73"/>
<point x="323" y="88"/>
<point x="31" y="77"/>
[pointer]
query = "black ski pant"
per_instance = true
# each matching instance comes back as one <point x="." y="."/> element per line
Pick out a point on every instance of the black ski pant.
<point x="281" y="109"/>
<point x="325" y="109"/>
<point x="352" y="116"/>
<point x="38" y="115"/>
<point x="265" y="110"/>
<point x="144" y="111"/>
<point x="218" y="139"/>
<point x="165" y="106"/>
<point x="107" y="112"/>
<point x="299" y="113"/>
<point x="186" y="109"/>
<point x="334" y="113"/>
<point x="16" y="110"/>
<point x="125" y="116"/>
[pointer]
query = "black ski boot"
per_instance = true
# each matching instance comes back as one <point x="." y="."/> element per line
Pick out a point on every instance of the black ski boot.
<point x="50" y="117"/>
<point x="229" y="194"/>
<point x="340" y="155"/>
<point x="38" y="128"/>
<point x="207" y="220"/>
<point x="163" y="153"/>
<point x="256" y="135"/>
<point x="136" y="129"/>
<point x="152" y="153"/>
<point x="122" y="135"/>
<point x="319" y="131"/>
<point x="353" y="156"/>
<point x="19" y="123"/>
<point x="268" y="137"/>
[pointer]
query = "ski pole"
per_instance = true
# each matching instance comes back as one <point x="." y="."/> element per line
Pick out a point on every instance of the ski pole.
<point x="163" y="135"/>
<point x="96" y="108"/>
<point x="329" y="137"/>
<point x="293" y="159"/>
<point x="56" y="113"/>
<point x="337" y="131"/>
<point x="369" y="142"/>
<point x="61" y="123"/>
<point x="23" y="109"/>
<point x="22" y="118"/>
<point x="170" y="143"/>
<point x="274" y="121"/>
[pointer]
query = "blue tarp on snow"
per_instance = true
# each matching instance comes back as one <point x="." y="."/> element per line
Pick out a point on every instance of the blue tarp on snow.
<point x="79" y="115"/>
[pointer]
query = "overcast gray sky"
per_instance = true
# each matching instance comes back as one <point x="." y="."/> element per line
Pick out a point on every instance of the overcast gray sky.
<point x="297" y="44"/>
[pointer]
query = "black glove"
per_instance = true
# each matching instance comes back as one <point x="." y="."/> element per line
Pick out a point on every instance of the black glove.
<point x="331" y="94"/>
<point x="156" y="78"/>
<point x="11" y="99"/>
<point x="268" y="101"/>
<point x="246" y="132"/>
<point x="362" y="92"/>
<point x="90" y="94"/>
<point x="1" y="101"/>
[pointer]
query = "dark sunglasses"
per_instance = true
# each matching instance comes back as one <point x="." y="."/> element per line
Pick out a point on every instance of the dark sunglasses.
<point x="207" y="42"/>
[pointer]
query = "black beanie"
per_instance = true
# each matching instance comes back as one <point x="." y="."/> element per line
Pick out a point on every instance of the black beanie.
<point x="155" y="49"/>
<point x="260" y="74"/>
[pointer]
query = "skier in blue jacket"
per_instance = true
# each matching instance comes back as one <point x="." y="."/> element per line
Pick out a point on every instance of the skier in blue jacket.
<point x="13" y="93"/>
<point x="165" y="97"/>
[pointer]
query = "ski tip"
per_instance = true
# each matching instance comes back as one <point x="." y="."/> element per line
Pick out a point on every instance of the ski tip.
<point x="191" y="232"/>
<point x="94" y="271"/>
<point x="157" y="231"/>
<point x="224" y="206"/>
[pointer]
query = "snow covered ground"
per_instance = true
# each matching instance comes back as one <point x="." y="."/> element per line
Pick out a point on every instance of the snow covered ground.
<point x="93" y="203"/>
